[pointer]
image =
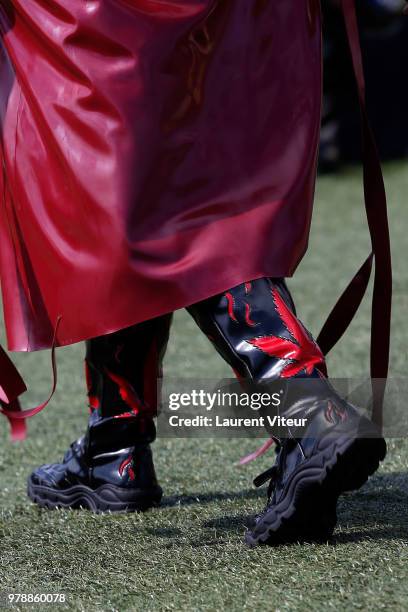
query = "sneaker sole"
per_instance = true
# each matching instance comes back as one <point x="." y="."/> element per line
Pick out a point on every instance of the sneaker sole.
<point x="106" y="498"/>
<point x="307" y="509"/>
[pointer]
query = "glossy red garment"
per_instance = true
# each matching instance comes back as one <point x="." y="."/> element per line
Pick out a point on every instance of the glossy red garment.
<point x="154" y="152"/>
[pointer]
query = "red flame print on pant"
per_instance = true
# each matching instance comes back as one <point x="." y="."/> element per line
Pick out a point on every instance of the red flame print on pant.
<point x="127" y="393"/>
<point x="231" y="304"/>
<point x="127" y="464"/>
<point x="301" y="351"/>
<point x="94" y="403"/>
<point x="334" y="414"/>
<point x="248" y="319"/>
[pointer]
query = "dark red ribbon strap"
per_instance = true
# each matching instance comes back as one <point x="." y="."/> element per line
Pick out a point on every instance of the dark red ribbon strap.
<point x="376" y="211"/>
<point x="18" y="428"/>
<point x="14" y="413"/>
<point x="346" y="307"/>
<point x="12" y="385"/>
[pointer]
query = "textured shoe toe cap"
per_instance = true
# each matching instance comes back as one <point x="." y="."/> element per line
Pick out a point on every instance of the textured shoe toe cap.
<point x="46" y="475"/>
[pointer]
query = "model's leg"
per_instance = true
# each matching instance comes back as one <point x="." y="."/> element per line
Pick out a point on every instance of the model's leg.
<point x="111" y="466"/>
<point x="255" y="329"/>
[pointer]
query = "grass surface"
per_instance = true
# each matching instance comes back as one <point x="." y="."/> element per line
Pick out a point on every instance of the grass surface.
<point x="189" y="554"/>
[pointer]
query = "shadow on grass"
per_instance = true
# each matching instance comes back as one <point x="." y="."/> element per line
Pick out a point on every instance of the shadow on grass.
<point x="390" y="485"/>
<point x="208" y="498"/>
<point x="376" y="512"/>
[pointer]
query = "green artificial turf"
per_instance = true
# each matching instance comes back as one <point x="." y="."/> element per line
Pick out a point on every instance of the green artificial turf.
<point x="189" y="554"/>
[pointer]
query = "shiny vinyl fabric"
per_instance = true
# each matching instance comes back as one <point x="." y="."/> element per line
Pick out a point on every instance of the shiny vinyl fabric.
<point x="154" y="153"/>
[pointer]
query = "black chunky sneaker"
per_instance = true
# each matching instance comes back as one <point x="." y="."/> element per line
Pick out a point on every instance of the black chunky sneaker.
<point x="337" y="451"/>
<point x="111" y="467"/>
<point x="255" y="328"/>
<point x="101" y="476"/>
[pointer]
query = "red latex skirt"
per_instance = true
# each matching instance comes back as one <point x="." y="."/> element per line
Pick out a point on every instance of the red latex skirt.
<point x="154" y="153"/>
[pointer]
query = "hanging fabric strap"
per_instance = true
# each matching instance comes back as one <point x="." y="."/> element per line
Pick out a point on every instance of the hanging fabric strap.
<point x="376" y="211"/>
<point x="13" y="386"/>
